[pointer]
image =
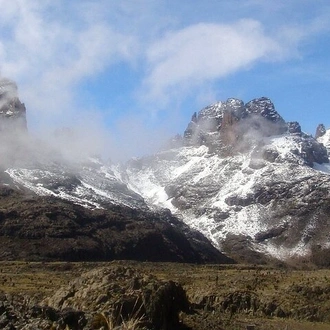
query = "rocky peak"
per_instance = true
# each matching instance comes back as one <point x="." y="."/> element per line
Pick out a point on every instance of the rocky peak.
<point x="264" y="106"/>
<point x="320" y="131"/>
<point x="236" y="108"/>
<point x="294" y="127"/>
<point x="12" y="111"/>
<point x="222" y="124"/>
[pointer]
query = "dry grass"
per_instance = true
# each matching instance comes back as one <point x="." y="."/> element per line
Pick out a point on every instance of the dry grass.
<point x="198" y="281"/>
<point x="111" y="321"/>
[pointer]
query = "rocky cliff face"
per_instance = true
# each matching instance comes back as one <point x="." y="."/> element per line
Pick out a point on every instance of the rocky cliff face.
<point x="12" y="111"/>
<point x="232" y="127"/>
<point x="38" y="228"/>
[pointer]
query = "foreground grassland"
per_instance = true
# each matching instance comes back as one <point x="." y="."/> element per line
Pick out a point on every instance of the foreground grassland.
<point x="222" y="297"/>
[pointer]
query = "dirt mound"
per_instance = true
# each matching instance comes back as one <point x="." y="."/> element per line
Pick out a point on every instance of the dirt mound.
<point x="122" y="294"/>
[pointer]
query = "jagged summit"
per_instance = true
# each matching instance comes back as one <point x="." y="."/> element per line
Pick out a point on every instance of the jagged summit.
<point x="12" y="111"/>
<point x="264" y="107"/>
<point x="231" y="127"/>
<point x="223" y="125"/>
<point x="320" y="131"/>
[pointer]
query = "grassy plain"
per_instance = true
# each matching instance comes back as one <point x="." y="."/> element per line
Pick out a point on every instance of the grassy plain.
<point x="229" y="297"/>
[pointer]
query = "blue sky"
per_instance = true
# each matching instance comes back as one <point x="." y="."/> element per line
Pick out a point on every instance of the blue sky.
<point x="128" y="74"/>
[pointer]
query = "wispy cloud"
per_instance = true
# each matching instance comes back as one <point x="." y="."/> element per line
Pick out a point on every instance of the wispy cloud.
<point x="201" y="53"/>
<point x="176" y="52"/>
<point x="49" y="57"/>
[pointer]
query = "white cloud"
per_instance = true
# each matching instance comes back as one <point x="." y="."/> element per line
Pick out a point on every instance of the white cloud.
<point x="49" y="55"/>
<point x="204" y="52"/>
<point x="175" y="52"/>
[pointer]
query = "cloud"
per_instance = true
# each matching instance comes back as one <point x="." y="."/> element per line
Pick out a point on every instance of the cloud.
<point x="49" y="54"/>
<point x="171" y="55"/>
<point x="204" y="52"/>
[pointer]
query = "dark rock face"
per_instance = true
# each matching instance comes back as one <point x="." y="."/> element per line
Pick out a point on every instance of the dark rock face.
<point x="294" y="127"/>
<point x="12" y="111"/>
<point x="47" y="228"/>
<point x="313" y="152"/>
<point x="265" y="108"/>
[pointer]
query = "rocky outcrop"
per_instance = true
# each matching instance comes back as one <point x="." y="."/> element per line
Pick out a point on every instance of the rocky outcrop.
<point x="232" y="126"/>
<point x="294" y="127"/>
<point x="264" y="107"/>
<point x="106" y="298"/>
<point x="313" y="152"/>
<point x="227" y="128"/>
<point x="320" y="131"/>
<point x="120" y="294"/>
<point x="12" y="111"/>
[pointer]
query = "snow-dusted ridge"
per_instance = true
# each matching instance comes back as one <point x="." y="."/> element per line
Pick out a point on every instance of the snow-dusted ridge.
<point x="91" y="185"/>
<point x="219" y="196"/>
<point x="240" y="175"/>
<point x="216" y="195"/>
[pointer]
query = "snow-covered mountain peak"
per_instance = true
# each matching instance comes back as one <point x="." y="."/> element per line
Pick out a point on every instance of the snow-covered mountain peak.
<point x="244" y="178"/>
<point x="232" y="126"/>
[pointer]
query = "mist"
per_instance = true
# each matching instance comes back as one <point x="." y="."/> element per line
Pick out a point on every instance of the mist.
<point x="73" y="145"/>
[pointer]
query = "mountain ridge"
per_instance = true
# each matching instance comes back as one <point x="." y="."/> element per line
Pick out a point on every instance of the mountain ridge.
<point x="237" y="189"/>
<point x="256" y="186"/>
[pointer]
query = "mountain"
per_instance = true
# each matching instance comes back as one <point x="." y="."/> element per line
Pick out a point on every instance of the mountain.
<point x="240" y="176"/>
<point x="256" y="186"/>
<point x="57" y="208"/>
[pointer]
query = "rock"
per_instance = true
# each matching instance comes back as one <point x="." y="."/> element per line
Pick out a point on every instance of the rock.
<point x="155" y="304"/>
<point x="294" y="127"/>
<point x="224" y="126"/>
<point x="12" y="111"/>
<point x="72" y="319"/>
<point x="241" y="301"/>
<point x="241" y="249"/>
<point x="270" y="155"/>
<point x="264" y="107"/>
<point x="163" y="303"/>
<point x="320" y="131"/>
<point x="271" y="233"/>
<point x="313" y="152"/>
<point x="236" y="107"/>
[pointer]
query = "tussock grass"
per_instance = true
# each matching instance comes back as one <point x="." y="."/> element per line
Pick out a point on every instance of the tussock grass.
<point x="291" y="288"/>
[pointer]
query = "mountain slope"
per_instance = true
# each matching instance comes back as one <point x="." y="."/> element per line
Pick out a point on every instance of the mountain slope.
<point x="245" y="179"/>
<point x="255" y="185"/>
<point x="54" y="206"/>
<point x="48" y="228"/>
